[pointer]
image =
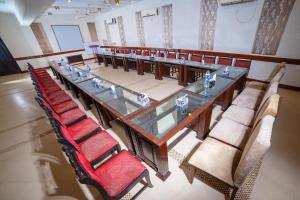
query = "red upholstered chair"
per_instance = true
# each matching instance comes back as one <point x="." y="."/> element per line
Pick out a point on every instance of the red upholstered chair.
<point x="115" y="177"/>
<point x="55" y="100"/>
<point x="127" y="51"/>
<point x="225" y="61"/>
<point x="196" y="57"/>
<point x="161" y="53"/>
<point x="183" y="55"/>
<point x="138" y="52"/>
<point x="209" y="59"/>
<point x="121" y="51"/>
<point x="242" y="63"/>
<point x="94" y="148"/>
<point x="171" y="55"/>
<point x="67" y="118"/>
<point x="146" y="53"/>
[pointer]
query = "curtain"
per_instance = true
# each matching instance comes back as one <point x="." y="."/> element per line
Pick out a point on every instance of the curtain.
<point x="140" y="28"/>
<point x="208" y="18"/>
<point x="273" y="19"/>
<point x="168" y="26"/>
<point x="108" y="36"/>
<point x="121" y="30"/>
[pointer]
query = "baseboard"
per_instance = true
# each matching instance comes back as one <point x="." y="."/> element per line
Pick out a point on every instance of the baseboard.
<point x="289" y="87"/>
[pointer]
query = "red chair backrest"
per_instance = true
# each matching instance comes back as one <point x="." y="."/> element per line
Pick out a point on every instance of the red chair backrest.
<point x="65" y="133"/>
<point x="196" y="57"/>
<point x="146" y="53"/>
<point x="138" y="52"/>
<point x="183" y="55"/>
<point x="209" y="59"/>
<point x="126" y="51"/>
<point x="87" y="168"/>
<point x="54" y="115"/>
<point x="171" y="55"/>
<point x="225" y="61"/>
<point x="242" y="63"/>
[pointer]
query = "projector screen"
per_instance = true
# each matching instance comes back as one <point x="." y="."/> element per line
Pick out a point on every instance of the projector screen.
<point x="68" y="37"/>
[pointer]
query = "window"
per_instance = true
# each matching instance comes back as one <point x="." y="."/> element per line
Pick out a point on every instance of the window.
<point x="68" y="37"/>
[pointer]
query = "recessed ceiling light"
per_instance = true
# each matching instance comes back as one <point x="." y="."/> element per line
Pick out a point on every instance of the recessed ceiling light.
<point x="69" y="1"/>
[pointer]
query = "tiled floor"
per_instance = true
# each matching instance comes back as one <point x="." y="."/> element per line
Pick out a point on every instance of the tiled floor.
<point x="32" y="165"/>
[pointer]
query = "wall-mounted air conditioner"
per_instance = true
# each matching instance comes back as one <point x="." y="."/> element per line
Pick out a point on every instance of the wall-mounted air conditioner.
<point x="111" y="21"/>
<point x="149" y="12"/>
<point x="230" y="2"/>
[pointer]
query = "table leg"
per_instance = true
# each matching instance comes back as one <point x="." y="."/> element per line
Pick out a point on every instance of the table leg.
<point x="74" y="90"/>
<point x="240" y="85"/>
<point x="158" y="71"/>
<point x="86" y="100"/>
<point x="181" y="74"/>
<point x="161" y="157"/>
<point x="104" y="61"/>
<point x="202" y="123"/>
<point x="103" y="117"/>
<point x="185" y="75"/>
<point x="125" y="64"/>
<point x="114" y="63"/>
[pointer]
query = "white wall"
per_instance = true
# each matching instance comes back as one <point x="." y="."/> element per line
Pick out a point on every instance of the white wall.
<point x="236" y="27"/>
<point x="19" y="39"/>
<point x="235" y="31"/>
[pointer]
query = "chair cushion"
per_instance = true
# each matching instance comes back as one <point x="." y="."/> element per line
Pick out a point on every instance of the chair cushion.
<point x="257" y="85"/>
<point x="247" y="101"/>
<point x="239" y="114"/>
<point x="119" y="172"/>
<point x="97" y="145"/>
<point x="83" y="128"/>
<point x="217" y="159"/>
<point x="59" y="99"/>
<point x="231" y="133"/>
<point x="56" y="93"/>
<point x="71" y="116"/>
<point x="65" y="106"/>
<point x="253" y="92"/>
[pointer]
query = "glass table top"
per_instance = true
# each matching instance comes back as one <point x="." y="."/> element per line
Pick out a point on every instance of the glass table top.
<point x="167" y="115"/>
<point x="214" y="90"/>
<point x="91" y="87"/>
<point x="121" y="100"/>
<point x="76" y="78"/>
<point x="233" y="73"/>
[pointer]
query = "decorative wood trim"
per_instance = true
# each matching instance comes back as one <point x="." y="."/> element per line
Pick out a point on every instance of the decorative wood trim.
<point x="47" y="55"/>
<point x="265" y="58"/>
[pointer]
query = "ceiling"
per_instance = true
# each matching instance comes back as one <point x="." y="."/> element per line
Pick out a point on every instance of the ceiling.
<point x="82" y="8"/>
<point x="26" y="11"/>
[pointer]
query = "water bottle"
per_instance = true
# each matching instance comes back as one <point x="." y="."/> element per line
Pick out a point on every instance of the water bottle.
<point x="182" y="60"/>
<point x="206" y="79"/>
<point x="87" y="70"/>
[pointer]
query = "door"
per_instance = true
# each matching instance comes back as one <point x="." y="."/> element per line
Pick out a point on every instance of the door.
<point x="8" y="64"/>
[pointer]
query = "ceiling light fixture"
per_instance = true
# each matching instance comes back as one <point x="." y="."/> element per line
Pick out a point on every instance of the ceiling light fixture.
<point x="69" y="1"/>
<point x="117" y="2"/>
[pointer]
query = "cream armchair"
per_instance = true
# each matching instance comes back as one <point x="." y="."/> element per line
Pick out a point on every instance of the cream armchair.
<point x="228" y="169"/>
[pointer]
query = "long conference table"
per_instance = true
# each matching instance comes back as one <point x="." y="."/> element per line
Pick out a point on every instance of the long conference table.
<point x="147" y="129"/>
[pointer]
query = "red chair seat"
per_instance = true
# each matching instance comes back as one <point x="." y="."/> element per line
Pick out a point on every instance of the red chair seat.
<point x="59" y="99"/>
<point x="52" y="95"/>
<point x="119" y="172"/>
<point x="71" y="116"/>
<point x="97" y="145"/>
<point x="63" y="107"/>
<point x="82" y="129"/>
